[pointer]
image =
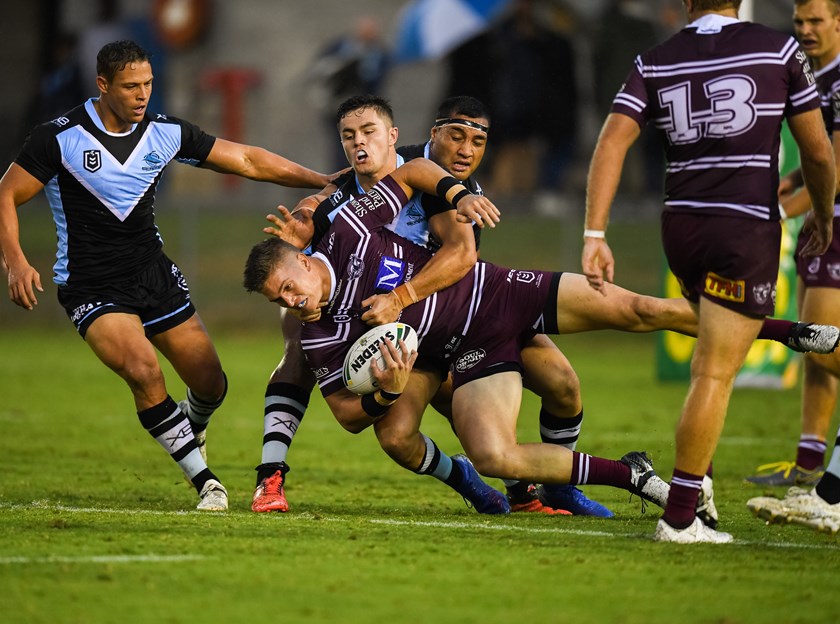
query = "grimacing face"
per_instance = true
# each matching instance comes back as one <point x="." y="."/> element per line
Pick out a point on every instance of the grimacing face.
<point x="368" y="141"/>
<point x="127" y="95"/>
<point x="817" y="29"/>
<point x="459" y="149"/>
<point x="293" y="284"/>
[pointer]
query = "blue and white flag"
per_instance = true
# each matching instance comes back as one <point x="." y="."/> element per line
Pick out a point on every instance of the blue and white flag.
<point x="429" y="29"/>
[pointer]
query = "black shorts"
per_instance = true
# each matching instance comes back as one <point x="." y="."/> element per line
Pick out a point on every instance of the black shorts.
<point x="159" y="295"/>
<point x="732" y="261"/>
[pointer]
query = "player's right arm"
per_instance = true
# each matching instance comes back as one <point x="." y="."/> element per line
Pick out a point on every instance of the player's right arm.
<point x="349" y="409"/>
<point x="819" y="172"/>
<point x="617" y="136"/>
<point x="17" y="187"/>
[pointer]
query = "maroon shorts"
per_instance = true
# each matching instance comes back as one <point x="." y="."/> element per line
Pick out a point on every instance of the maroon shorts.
<point x="732" y="261"/>
<point x="514" y="305"/>
<point x="822" y="271"/>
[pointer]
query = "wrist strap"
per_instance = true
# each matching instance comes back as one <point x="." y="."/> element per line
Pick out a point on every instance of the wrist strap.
<point x="405" y="294"/>
<point x="459" y="196"/>
<point x="444" y="185"/>
<point x="594" y="234"/>
<point x="372" y="407"/>
<point x="389" y="396"/>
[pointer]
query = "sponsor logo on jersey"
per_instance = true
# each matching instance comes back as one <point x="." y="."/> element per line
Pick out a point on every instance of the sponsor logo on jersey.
<point x="341" y="318"/>
<point x="390" y="275"/>
<point x="321" y="372"/>
<point x="92" y="160"/>
<point x="337" y="197"/>
<point x="153" y="162"/>
<point x="469" y="359"/>
<point x="366" y="203"/>
<point x="833" y="269"/>
<point x="724" y="288"/>
<point x="762" y="292"/>
<point x="331" y="242"/>
<point x="61" y="121"/>
<point x="355" y="267"/>
<point x="371" y="349"/>
<point x="814" y="266"/>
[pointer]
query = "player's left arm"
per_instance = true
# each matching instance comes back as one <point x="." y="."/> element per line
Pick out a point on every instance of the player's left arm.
<point x="256" y="163"/>
<point x="456" y="256"/>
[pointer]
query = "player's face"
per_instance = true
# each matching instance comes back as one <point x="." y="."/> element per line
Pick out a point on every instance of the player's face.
<point x="368" y="141"/>
<point x="459" y="149"/>
<point x="294" y="285"/>
<point x="127" y="95"/>
<point x="818" y="30"/>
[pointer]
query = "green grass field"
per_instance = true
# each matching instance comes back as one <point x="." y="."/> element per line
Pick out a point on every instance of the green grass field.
<point x="98" y="525"/>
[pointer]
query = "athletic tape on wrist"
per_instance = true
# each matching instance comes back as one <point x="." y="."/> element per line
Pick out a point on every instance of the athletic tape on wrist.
<point x="594" y="234"/>
<point x="372" y="407"/>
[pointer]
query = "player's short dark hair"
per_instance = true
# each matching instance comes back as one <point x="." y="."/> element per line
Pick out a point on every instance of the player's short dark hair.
<point x="833" y="5"/>
<point x="360" y="102"/>
<point x="462" y="105"/>
<point x="114" y="56"/>
<point x="262" y="260"/>
<point x="716" y="5"/>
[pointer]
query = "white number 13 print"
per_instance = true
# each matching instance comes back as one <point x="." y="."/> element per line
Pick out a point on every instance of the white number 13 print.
<point x="730" y="112"/>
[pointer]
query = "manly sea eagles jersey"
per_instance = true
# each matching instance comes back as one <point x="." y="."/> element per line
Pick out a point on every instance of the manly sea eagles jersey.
<point x="412" y="222"/>
<point x="718" y="91"/>
<point x="828" y="84"/>
<point x="365" y="258"/>
<point x="101" y="187"/>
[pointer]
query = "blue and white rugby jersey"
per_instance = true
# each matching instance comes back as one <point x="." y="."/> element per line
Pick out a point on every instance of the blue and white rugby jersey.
<point x="101" y="187"/>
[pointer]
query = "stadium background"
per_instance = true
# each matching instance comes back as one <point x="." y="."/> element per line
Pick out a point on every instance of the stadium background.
<point x="207" y="223"/>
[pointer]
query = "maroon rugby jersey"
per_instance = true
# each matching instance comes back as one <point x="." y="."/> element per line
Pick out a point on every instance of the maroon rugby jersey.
<point x="828" y="85"/>
<point x="718" y="91"/>
<point x="365" y="259"/>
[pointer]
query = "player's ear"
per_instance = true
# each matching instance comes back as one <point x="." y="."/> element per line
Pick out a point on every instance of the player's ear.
<point x="102" y="84"/>
<point x="394" y="135"/>
<point x="304" y="260"/>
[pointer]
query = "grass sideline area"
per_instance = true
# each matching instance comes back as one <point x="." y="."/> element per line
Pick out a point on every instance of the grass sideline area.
<point x="97" y="525"/>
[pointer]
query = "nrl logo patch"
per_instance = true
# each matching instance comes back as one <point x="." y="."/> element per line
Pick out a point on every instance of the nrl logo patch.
<point x="833" y="269"/>
<point x="92" y="160"/>
<point x="762" y="292"/>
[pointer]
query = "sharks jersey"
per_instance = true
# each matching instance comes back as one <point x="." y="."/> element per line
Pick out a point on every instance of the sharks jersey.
<point x="101" y="187"/>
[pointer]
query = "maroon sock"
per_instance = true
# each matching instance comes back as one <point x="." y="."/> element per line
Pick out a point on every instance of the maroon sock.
<point x="810" y="454"/>
<point x="599" y="471"/>
<point x="682" y="501"/>
<point x="775" y="329"/>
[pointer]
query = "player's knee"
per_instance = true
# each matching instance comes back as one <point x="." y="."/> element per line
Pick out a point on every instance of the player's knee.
<point x="398" y="446"/>
<point x="648" y="312"/>
<point x="493" y="462"/>
<point x="142" y="375"/>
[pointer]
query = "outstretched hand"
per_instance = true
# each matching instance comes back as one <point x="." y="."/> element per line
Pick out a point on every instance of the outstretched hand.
<point x="295" y="227"/>
<point x="477" y="209"/>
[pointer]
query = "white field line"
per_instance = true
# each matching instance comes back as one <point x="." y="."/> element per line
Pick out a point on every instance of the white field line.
<point x="105" y="559"/>
<point x="479" y="526"/>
